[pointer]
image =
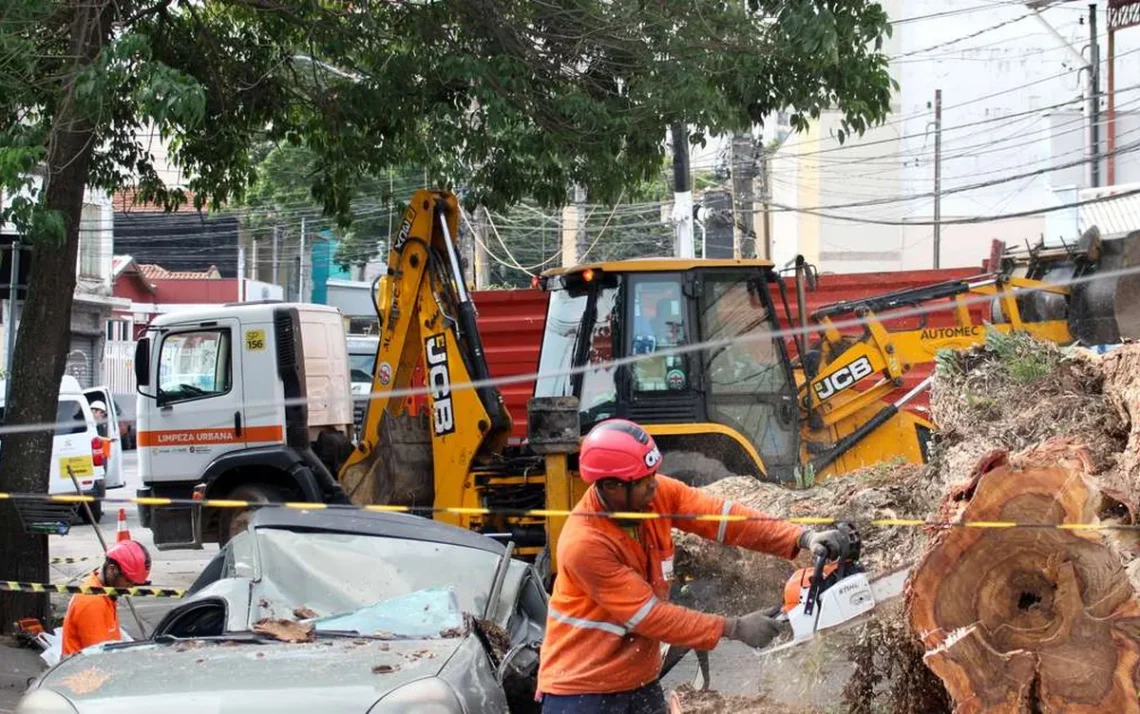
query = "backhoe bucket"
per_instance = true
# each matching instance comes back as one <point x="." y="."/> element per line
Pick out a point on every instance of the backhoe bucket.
<point x="1104" y="302"/>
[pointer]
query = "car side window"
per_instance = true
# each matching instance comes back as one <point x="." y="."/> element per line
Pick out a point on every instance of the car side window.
<point x="195" y="365"/>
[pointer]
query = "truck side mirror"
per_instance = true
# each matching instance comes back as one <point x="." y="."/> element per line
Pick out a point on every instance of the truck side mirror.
<point x="142" y="363"/>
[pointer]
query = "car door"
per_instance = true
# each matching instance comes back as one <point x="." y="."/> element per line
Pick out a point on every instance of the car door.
<point x="113" y="469"/>
<point x="199" y="412"/>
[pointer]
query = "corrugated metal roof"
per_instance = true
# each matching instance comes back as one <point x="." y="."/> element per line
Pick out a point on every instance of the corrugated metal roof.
<point x="1113" y="216"/>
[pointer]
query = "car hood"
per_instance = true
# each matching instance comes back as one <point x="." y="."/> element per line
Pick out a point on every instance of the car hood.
<point x="331" y="674"/>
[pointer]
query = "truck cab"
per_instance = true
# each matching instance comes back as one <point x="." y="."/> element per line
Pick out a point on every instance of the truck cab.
<point x="247" y="401"/>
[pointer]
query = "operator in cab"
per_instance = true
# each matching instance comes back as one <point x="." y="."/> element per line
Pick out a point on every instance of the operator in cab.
<point x="609" y="612"/>
<point x="93" y="619"/>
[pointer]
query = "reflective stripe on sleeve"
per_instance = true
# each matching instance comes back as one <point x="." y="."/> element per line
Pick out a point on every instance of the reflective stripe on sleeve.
<point x="589" y="624"/>
<point x="642" y="613"/>
<point x="722" y="531"/>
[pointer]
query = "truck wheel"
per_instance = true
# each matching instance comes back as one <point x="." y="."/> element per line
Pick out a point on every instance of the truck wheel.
<point x="235" y="520"/>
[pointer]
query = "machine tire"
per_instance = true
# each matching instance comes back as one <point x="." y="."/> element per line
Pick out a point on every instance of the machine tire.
<point x="693" y="468"/>
<point x="232" y="521"/>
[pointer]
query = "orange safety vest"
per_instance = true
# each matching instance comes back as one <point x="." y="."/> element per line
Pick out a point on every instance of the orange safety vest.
<point x="90" y="619"/>
<point x="609" y="611"/>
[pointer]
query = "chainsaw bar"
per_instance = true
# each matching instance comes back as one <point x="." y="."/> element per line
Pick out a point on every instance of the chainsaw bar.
<point x="883" y="589"/>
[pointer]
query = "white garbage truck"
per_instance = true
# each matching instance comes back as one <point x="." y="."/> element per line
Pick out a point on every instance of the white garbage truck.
<point x="246" y="401"/>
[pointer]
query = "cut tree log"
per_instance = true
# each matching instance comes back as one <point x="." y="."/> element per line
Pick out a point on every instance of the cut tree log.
<point x="1029" y="619"/>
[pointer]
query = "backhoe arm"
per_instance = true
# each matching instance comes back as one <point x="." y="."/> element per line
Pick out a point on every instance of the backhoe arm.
<point x="427" y="320"/>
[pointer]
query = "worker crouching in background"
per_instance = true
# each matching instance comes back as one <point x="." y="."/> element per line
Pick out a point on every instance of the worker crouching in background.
<point x="609" y="611"/>
<point x="92" y="619"/>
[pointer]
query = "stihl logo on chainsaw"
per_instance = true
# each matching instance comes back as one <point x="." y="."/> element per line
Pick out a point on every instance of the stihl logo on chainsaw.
<point x="439" y="384"/>
<point x="843" y="378"/>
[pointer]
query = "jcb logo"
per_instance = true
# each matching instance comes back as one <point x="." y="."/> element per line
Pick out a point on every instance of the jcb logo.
<point x="843" y="378"/>
<point x="439" y="384"/>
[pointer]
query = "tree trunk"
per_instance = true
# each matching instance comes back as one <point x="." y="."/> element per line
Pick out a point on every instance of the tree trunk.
<point x="1030" y="619"/>
<point x="45" y="325"/>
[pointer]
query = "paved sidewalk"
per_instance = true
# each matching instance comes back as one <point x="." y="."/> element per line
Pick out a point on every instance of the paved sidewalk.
<point x="19" y="666"/>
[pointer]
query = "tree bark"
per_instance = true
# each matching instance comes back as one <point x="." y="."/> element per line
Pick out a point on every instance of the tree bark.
<point x="44" y="333"/>
<point x="1029" y="619"/>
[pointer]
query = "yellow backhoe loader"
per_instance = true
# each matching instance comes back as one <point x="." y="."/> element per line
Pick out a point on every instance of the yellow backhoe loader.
<point x="621" y="340"/>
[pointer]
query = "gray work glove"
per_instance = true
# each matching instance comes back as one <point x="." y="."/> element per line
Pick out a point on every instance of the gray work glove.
<point x="835" y="544"/>
<point x="755" y="630"/>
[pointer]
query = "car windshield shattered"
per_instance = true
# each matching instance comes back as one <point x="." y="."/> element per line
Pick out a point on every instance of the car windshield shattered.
<point x="365" y="584"/>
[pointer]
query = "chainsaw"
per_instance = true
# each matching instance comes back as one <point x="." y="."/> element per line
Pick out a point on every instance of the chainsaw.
<point x="828" y="595"/>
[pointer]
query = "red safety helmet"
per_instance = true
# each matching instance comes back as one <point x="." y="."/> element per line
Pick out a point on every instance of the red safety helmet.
<point x="133" y="561"/>
<point x="617" y="448"/>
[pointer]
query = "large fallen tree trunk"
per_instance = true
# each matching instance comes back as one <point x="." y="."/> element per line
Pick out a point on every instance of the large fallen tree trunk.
<point x="1043" y="617"/>
<point x="1030" y="619"/>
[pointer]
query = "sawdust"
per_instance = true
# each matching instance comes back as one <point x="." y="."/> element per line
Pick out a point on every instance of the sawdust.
<point x="85" y="681"/>
<point x="687" y="700"/>
<point x="303" y="613"/>
<point x="734" y="581"/>
<point x="285" y="630"/>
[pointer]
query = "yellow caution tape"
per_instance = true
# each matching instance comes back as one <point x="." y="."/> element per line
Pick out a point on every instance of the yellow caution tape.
<point x="142" y="591"/>
<point x="559" y="513"/>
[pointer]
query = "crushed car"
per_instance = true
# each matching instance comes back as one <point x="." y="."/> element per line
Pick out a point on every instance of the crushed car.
<point x="330" y="610"/>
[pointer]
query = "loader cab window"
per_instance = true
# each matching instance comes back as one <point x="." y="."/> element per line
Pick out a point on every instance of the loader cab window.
<point x="749" y="384"/>
<point x="660" y="323"/>
<point x="194" y="365"/>
<point x="564" y="317"/>
<point x="580" y="327"/>
<point x="598" y="396"/>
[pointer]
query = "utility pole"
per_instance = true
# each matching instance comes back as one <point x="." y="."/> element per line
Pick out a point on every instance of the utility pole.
<point x="743" y="207"/>
<point x="1094" y="97"/>
<point x="581" y="237"/>
<point x="275" y="256"/>
<point x="241" y="273"/>
<point x="682" y="192"/>
<point x="482" y="259"/>
<point x="253" y="263"/>
<point x="765" y="198"/>
<point x="937" y="178"/>
<point x="301" y="266"/>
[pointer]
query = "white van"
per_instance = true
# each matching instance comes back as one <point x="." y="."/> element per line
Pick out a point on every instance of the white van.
<point x="76" y="445"/>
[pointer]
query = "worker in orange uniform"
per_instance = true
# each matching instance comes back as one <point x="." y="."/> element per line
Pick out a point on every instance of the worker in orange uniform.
<point x="92" y="619"/>
<point x="609" y="611"/>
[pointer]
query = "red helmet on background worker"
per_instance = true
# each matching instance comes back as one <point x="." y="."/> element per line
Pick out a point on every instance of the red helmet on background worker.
<point x="619" y="449"/>
<point x="132" y="560"/>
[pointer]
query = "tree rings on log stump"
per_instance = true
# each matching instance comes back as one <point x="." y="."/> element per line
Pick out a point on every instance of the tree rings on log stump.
<point x="1029" y="619"/>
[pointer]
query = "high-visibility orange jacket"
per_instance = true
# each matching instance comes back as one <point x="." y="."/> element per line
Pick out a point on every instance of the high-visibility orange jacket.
<point x="90" y="619"/>
<point x="609" y="611"/>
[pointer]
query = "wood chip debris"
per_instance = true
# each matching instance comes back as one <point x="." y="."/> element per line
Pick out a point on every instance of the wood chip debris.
<point x="385" y="668"/>
<point x="285" y="630"/>
<point x="303" y="613"/>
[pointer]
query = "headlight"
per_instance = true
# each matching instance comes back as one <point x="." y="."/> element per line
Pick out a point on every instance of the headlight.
<point x="424" y="696"/>
<point x="44" y="701"/>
